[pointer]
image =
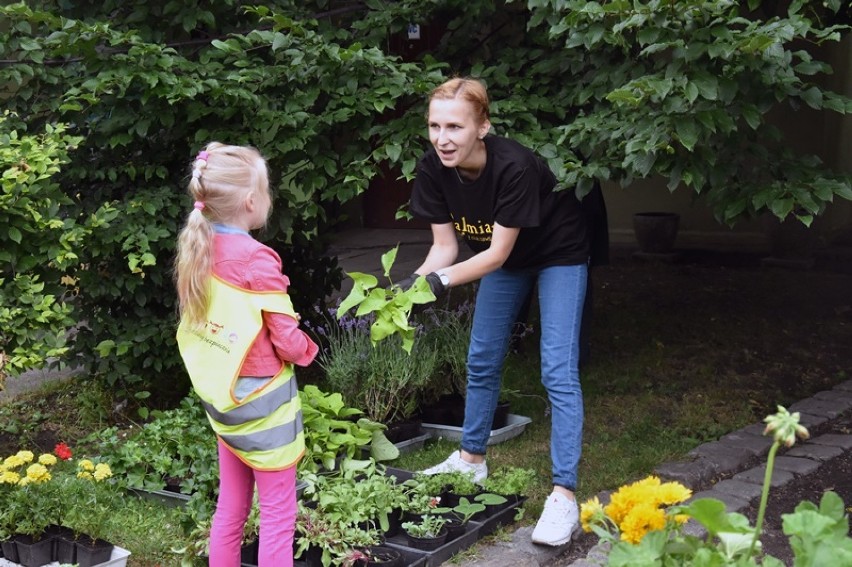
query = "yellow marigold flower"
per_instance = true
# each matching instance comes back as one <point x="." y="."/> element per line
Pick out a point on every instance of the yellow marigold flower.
<point x="84" y="474"/>
<point x="38" y="473"/>
<point x="86" y="465"/>
<point x="102" y="471"/>
<point x="25" y="481"/>
<point x="681" y="518"/>
<point x="9" y="477"/>
<point x="13" y="462"/>
<point x="641" y="520"/>
<point x="25" y="456"/>
<point x="47" y="459"/>
<point x="591" y="512"/>
<point x="673" y="493"/>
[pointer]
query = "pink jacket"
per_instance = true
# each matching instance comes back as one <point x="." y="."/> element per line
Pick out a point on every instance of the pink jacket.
<point x="245" y="262"/>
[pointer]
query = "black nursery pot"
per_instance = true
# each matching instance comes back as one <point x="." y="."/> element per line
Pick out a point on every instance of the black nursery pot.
<point x="428" y="543"/>
<point x="382" y="556"/>
<point x="92" y="551"/>
<point x="10" y="550"/>
<point x="32" y="552"/>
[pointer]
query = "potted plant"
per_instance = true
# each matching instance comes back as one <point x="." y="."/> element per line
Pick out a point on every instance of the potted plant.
<point x="332" y="434"/>
<point x="455" y="485"/>
<point x="458" y="516"/>
<point x="28" y="505"/>
<point x="428" y="534"/>
<point x="374" y="556"/>
<point x="511" y="482"/>
<point x="361" y="494"/>
<point x="89" y="500"/>
<point x="322" y="541"/>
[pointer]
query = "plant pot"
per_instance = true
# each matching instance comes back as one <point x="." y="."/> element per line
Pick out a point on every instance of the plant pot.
<point x="427" y="543"/>
<point x="501" y="415"/>
<point x="65" y="549"/>
<point x="382" y="556"/>
<point x="403" y="430"/>
<point x="448" y="410"/>
<point x="455" y="527"/>
<point x="249" y="552"/>
<point x="92" y="551"/>
<point x="10" y="550"/>
<point x="34" y="552"/>
<point x="394" y="523"/>
<point x="656" y="231"/>
<point x="312" y="557"/>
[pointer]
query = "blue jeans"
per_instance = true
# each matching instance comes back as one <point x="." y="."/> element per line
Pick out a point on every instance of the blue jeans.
<point x="561" y="290"/>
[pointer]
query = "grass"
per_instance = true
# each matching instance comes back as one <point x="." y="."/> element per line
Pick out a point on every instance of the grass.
<point x="682" y="354"/>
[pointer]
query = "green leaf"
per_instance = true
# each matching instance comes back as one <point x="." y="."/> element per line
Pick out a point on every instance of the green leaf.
<point x="388" y="258"/>
<point x="687" y="132"/>
<point x="15" y="234"/>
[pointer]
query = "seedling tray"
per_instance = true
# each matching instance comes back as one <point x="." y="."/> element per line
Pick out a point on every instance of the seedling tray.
<point x="515" y="425"/>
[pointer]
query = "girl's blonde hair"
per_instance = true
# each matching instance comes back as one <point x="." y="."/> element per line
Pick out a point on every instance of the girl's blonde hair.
<point x="468" y="89"/>
<point x="222" y="179"/>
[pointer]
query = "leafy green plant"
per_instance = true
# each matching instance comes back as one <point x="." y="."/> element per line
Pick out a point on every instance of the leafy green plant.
<point x="465" y="509"/>
<point x="332" y="434"/>
<point x="176" y="445"/>
<point x="361" y="493"/>
<point x="336" y="540"/>
<point x="379" y="378"/>
<point x="391" y="306"/>
<point x="429" y="525"/>
<point x="643" y="521"/>
<point x="509" y="480"/>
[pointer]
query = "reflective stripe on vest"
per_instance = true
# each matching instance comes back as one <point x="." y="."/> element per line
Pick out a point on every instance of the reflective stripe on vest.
<point x="265" y="428"/>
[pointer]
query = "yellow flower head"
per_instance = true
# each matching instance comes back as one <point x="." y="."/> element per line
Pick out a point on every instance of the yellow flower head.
<point x="86" y="465"/>
<point x="38" y="473"/>
<point x="9" y="477"/>
<point x="47" y="459"/>
<point x="12" y="462"/>
<point x="102" y="471"/>
<point x="639" y="507"/>
<point x="84" y="474"/>
<point x="25" y="456"/>
<point x="591" y="512"/>
<point x="640" y="520"/>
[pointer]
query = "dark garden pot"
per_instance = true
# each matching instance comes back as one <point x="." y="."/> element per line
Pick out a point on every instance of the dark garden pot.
<point x="399" y="431"/>
<point x="92" y="551"/>
<point x="64" y="548"/>
<point x="312" y="557"/>
<point x="501" y="416"/>
<point x="455" y="527"/>
<point x="452" y="499"/>
<point x="448" y="410"/>
<point x="10" y="550"/>
<point x="34" y="552"/>
<point x="427" y="543"/>
<point x="249" y="552"/>
<point x="381" y="556"/>
<point x="394" y="523"/>
<point x="656" y="231"/>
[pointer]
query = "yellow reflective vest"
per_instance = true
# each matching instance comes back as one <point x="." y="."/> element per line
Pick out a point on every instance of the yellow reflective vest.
<point x="264" y="429"/>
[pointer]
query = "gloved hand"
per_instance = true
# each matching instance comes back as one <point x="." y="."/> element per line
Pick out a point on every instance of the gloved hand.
<point x="406" y="283"/>
<point x="434" y="281"/>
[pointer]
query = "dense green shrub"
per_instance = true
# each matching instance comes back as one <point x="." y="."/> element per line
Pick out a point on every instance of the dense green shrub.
<point x="610" y="90"/>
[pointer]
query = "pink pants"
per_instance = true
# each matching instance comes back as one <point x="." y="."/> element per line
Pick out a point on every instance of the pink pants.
<point x="277" y="499"/>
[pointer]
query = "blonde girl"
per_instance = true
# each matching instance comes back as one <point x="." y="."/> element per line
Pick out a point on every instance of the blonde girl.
<point x="240" y="339"/>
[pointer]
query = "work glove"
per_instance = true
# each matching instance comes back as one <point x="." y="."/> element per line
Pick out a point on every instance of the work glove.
<point x="432" y="278"/>
<point x="405" y="284"/>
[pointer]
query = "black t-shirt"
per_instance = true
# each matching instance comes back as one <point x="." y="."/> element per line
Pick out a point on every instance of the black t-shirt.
<point x="514" y="189"/>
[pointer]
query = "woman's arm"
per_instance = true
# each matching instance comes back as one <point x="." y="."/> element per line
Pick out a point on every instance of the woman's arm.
<point x="444" y="252"/>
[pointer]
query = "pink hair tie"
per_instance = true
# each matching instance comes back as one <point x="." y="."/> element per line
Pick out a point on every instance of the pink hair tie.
<point x="198" y="205"/>
<point x="202" y="155"/>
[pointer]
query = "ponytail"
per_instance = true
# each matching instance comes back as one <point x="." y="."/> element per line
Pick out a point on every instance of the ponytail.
<point x="222" y="177"/>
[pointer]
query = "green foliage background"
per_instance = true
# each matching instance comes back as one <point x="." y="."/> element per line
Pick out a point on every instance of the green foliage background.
<point x="125" y="93"/>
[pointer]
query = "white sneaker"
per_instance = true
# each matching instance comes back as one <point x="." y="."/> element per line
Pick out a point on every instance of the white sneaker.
<point x="558" y="520"/>
<point x="455" y="463"/>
